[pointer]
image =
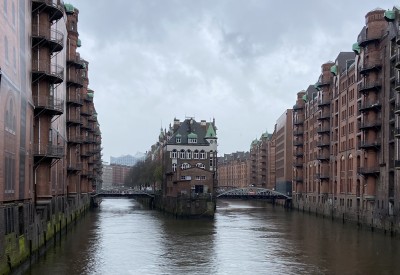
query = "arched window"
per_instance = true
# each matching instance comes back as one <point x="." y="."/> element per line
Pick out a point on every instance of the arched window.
<point x="196" y="154"/>
<point x="185" y="166"/>
<point x="202" y="154"/>
<point x="174" y="167"/>
<point x="174" y="154"/>
<point x="189" y="154"/>
<point x="182" y="154"/>
<point x="200" y="165"/>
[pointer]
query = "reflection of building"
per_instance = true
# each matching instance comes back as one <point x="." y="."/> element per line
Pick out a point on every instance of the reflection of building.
<point x="50" y="140"/>
<point x="234" y="170"/>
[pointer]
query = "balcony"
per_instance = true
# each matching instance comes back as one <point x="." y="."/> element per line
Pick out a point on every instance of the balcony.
<point x="322" y="176"/>
<point x="397" y="164"/>
<point x="366" y="87"/>
<point x="298" y="121"/>
<point x="397" y="132"/>
<point x="50" y="151"/>
<point x="55" y="10"/>
<point x="375" y="124"/>
<point x="323" y="156"/>
<point x="322" y="130"/>
<point x="369" y="145"/>
<point x="322" y="83"/>
<point x="298" y="143"/>
<point x="298" y="163"/>
<point x="298" y="132"/>
<point x="298" y="179"/>
<point x="363" y="40"/>
<point x="74" y="167"/>
<point x="367" y="106"/>
<point x="323" y="116"/>
<point x="397" y="109"/>
<point x="92" y="118"/>
<point x="297" y="107"/>
<point x="323" y="143"/>
<point x="75" y="80"/>
<point x="76" y="61"/>
<point x="74" y="100"/>
<point x="397" y="85"/>
<point x="324" y="102"/>
<point x="369" y="171"/>
<point x="73" y="119"/>
<point x="74" y="139"/>
<point x="299" y="154"/>
<point x="370" y="68"/>
<point x="49" y="105"/>
<point x="50" y="38"/>
<point x="86" y="111"/>
<point x="44" y="69"/>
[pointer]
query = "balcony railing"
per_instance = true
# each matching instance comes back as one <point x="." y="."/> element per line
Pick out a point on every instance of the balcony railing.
<point x="365" y="40"/>
<point x="297" y="107"/>
<point x="397" y="163"/>
<point x="75" y="167"/>
<point x="370" y="124"/>
<point x="54" y="8"/>
<point x="375" y="170"/>
<point x="322" y="116"/>
<point x="366" y="106"/>
<point x="50" y="104"/>
<point x="322" y="176"/>
<point x="324" y="102"/>
<point x="323" y="156"/>
<point x="369" y="145"/>
<point x="74" y="100"/>
<point x="298" y="163"/>
<point x="48" y="150"/>
<point x="54" y="39"/>
<point x="73" y="118"/>
<point x="75" y="60"/>
<point x="75" y="79"/>
<point x="298" y="121"/>
<point x="74" y="139"/>
<point x="370" y="67"/>
<point x="298" y="143"/>
<point x="45" y="69"/>
<point x="397" y="85"/>
<point x="324" y="129"/>
<point x="323" y="143"/>
<point x="365" y="87"/>
<point x="397" y="132"/>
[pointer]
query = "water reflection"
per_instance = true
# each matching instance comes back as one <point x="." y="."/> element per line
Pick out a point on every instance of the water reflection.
<point x="246" y="237"/>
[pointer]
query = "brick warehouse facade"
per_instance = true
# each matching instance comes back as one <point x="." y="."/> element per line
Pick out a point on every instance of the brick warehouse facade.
<point x="50" y="142"/>
<point x="349" y="131"/>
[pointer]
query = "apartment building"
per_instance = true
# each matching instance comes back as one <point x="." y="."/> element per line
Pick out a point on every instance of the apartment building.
<point x="261" y="161"/>
<point x="349" y="136"/>
<point x="48" y="174"/>
<point x="234" y="170"/>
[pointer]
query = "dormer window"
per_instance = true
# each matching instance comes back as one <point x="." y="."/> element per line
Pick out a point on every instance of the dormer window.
<point x="192" y="138"/>
<point x="178" y="140"/>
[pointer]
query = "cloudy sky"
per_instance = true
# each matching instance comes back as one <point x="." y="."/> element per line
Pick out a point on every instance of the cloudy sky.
<point x="240" y="62"/>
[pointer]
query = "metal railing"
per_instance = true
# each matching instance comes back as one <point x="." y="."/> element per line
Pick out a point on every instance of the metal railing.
<point x="48" y="68"/>
<point x="49" y="103"/>
<point x="48" y="150"/>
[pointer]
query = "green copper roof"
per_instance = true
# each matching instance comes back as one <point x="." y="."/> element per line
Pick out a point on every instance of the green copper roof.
<point x="356" y="48"/>
<point x="192" y="135"/>
<point x="316" y="85"/>
<point x="178" y="135"/>
<point x="78" y="43"/>
<point x="69" y="8"/>
<point x="90" y="94"/>
<point x="390" y="15"/>
<point x="334" y="69"/>
<point x="305" y="98"/>
<point x="210" y="132"/>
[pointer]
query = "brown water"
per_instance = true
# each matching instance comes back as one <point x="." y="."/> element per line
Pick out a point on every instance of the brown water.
<point x="246" y="237"/>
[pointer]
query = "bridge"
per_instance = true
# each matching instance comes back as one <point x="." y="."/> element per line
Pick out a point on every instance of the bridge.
<point x="131" y="193"/>
<point x="251" y="193"/>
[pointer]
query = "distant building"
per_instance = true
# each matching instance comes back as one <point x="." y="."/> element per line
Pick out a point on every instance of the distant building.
<point x="107" y="176"/>
<point x="234" y="170"/>
<point x="119" y="174"/>
<point x="127" y="160"/>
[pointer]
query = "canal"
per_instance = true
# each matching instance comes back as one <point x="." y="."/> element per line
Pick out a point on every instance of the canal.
<point x="246" y="237"/>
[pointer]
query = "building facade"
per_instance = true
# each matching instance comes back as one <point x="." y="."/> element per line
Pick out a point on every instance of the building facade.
<point x="348" y="167"/>
<point x="46" y="178"/>
<point x="234" y="170"/>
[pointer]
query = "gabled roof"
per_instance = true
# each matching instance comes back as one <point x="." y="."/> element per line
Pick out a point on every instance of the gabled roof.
<point x="189" y="128"/>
